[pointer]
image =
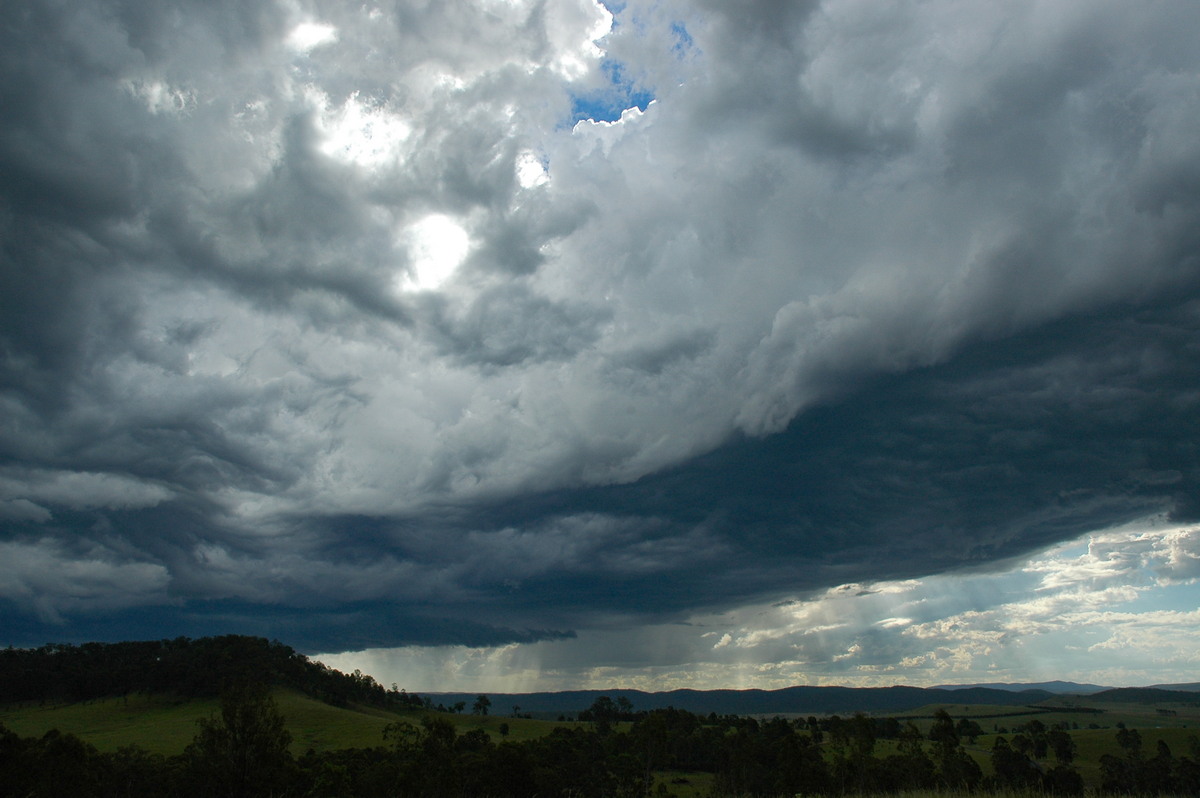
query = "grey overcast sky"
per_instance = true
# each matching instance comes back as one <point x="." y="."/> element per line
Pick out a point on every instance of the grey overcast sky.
<point x="520" y="344"/>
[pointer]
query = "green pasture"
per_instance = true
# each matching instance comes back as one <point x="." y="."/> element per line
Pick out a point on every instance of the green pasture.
<point x="1091" y="744"/>
<point x="518" y="728"/>
<point x="1073" y="712"/>
<point x="160" y="724"/>
<point x="1177" y="729"/>
<point x="165" y="724"/>
<point x="976" y="712"/>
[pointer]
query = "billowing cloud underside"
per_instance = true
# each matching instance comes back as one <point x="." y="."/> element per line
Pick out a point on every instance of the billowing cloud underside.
<point x="325" y="322"/>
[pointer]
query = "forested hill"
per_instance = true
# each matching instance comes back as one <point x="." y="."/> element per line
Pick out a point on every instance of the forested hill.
<point x="1147" y="695"/>
<point x="185" y="667"/>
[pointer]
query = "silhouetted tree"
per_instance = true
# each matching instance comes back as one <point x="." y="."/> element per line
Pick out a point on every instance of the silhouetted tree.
<point x="956" y="770"/>
<point x="1012" y="768"/>
<point x="242" y="752"/>
<point x="968" y="730"/>
<point x="1062" y="745"/>
<point x="910" y="768"/>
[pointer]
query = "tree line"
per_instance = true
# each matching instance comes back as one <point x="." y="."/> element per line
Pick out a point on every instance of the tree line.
<point x="243" y="751"/>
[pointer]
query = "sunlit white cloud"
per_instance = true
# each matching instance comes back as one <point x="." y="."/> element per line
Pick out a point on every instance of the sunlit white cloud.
<point x="309" y="35"/>
<point x="437" y="246"/>
<point x="360" y="133"/>
<point x="530" y="170"/>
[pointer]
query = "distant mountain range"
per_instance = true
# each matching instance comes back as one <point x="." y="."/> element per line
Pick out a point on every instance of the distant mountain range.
<point x="1070" y="688"/>
<point x="1057" y="687"/>
<point x="820" y="700"/>
<point x="789" y="700"/>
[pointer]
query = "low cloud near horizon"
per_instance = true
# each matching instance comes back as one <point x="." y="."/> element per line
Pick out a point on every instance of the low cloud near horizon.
<point x="510" y="325"/>
<point x="1094" y="611"/>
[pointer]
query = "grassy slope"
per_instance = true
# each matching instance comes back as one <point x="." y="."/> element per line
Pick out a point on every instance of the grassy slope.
<point x="159" y="724"/>
<point x="165" y="725"/>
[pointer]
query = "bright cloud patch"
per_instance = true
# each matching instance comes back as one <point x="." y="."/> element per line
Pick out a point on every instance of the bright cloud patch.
<point x="309" y="35"/>
<point x="575" y="27"/>
<point x="437" y="245"/>
<point x="530" y="170"/>
<point x="360" y="132"/>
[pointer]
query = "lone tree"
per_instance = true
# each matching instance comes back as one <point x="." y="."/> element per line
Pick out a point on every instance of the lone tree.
<point x="242" y="752"/>
<point x="481" y="705"/>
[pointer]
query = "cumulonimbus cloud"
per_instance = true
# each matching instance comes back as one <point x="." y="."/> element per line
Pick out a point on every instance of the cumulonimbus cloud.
<point x="862" y="292"/>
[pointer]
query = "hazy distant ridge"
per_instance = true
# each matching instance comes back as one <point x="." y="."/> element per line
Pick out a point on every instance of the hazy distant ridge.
<point x="804" y="700"/>
<point x="1058" y="687"/>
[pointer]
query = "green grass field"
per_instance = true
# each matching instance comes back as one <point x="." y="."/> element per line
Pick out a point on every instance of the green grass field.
<point x="1093" y="744"/>
<point x="165" y="725"/>
<point x="1063" y="711"/>
<point x="160" y="724"/>
<point x="518" y="728"/>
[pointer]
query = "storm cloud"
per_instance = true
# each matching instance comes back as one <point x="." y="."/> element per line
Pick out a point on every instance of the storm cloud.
<point x="349" y="326"/>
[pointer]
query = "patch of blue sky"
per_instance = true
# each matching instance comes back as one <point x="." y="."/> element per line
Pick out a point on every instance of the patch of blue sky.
<point x="1172" y="597"/>
<point x="622" y="93"/>
<point x="607" y="104"/>
<point x="683" y="39"/>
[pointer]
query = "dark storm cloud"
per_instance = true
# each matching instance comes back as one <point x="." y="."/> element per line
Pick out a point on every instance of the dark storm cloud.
<point x="309" y="630"/>
<point x="1009" y="447"/>
<point x="865" y="293"/>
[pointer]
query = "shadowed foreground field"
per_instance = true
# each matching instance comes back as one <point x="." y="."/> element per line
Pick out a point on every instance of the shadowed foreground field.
<point x="145" y="719"/>
<point x="647" y="754"/>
